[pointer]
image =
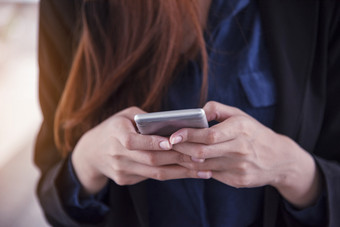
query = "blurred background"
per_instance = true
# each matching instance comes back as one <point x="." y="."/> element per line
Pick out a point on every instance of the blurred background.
<point x="20" y="116"/>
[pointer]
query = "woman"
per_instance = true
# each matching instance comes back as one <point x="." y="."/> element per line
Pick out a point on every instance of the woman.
<point x="269" y="68"/>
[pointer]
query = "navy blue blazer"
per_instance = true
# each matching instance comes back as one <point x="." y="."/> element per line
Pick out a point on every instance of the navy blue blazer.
<point x="303" y="39"/>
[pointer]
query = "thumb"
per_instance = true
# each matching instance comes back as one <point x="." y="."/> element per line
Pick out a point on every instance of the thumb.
<point x="130" y="112"/>
<point x="216" y="111"/>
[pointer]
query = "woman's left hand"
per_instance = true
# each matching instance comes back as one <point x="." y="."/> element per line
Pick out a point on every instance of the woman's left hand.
<point x="241" y="152"/>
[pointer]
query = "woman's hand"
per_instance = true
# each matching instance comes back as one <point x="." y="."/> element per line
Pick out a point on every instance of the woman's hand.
<point x="241" y="152"/>
<point x="114" y="150"/>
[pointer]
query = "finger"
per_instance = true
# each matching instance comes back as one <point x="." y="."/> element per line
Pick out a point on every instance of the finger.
<point x="130" y="112"/>
<point x="216" y="134"/>
<point x="135" y="141"/>
<point x="220" y="112"/>
<point x="202" y="151"/>
<point x="238" y="180"/>
<point x="213" y="164"/>
<point x="157" y="158"/>
<point x="162" y="173"/>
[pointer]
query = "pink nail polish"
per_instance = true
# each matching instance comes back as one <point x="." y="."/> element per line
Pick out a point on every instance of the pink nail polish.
<point x="165" y="145"/>
<point x="176" y="139"/>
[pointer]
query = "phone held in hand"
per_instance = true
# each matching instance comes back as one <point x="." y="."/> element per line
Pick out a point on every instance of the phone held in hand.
<point x="165" y="123"/>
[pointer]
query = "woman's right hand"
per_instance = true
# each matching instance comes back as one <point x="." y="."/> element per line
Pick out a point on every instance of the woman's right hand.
<point x="114" y="150"/>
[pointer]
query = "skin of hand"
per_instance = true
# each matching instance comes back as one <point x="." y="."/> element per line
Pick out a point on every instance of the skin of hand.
<point x="113" y="149"/>
<point x="241" y="152"/>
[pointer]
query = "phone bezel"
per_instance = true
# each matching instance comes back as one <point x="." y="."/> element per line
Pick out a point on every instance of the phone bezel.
<point x="164" y="123"/>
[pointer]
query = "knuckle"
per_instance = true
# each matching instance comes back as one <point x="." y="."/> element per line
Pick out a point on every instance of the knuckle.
<point x="152" y="143"/>
<point x="128" y="141"/>
<point x="132" y="109"/>
<point x="201" y="152"/>
<point x="120" y="179"/>
<point x="220" y="166"/>
<point x="212" y="136"/>
<point x="191" y="173"/>
<point x="152" y="159"/>
<point x="243" y="168"/>
<point x="180" y="158"/>
<point x="211" y="106"/>
<point x="112" y="145"/>
<point x="117" y="158"/>
<point x="192" y="166"/>
<point x="159" y="174"/>
<point x="244" y="124"/>
<point x="243" y="181"/>
<point x="118" y="167"/>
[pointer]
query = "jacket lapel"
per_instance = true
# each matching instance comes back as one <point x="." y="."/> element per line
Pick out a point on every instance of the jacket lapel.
<point x="289" y="28"/>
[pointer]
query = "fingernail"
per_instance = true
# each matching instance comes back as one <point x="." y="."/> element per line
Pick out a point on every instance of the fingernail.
<point x="165" y="145"/>
<point x="204" y="174"/>
<point x="176" y="140"/>
<point x="200" y="160"/>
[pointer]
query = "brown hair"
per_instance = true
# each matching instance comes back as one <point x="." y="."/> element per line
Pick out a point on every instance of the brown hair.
<point x="127" y="55"/>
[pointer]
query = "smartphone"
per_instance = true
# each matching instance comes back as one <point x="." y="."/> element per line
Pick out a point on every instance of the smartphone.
<point x="165" y="123"/>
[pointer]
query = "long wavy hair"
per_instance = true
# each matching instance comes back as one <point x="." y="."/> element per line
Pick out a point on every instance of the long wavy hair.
<point x="128" y="54"/>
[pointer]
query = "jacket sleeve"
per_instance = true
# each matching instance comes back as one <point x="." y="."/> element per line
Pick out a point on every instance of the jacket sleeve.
<point x="81" y="207"/>
<point x="58" y="36"/>
<point x="328" y="146"/>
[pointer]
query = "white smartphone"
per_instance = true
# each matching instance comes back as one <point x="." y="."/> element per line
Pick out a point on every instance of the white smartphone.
<point x="165" y="123"/>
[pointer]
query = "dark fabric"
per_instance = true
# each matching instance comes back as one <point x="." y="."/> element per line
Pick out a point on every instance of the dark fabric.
<point x="304" y="48"/>
<point x="310" y="216"/>
<point x="304" y="44"/>
<point x="81" y="207"/>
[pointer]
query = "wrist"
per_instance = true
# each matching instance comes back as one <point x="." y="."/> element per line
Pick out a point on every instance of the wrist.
<point x="88" y="175"/>
<point x="300" y="181"/>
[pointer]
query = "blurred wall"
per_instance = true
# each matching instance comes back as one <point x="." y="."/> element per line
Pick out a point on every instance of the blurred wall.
<point x="19" y="113"/>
